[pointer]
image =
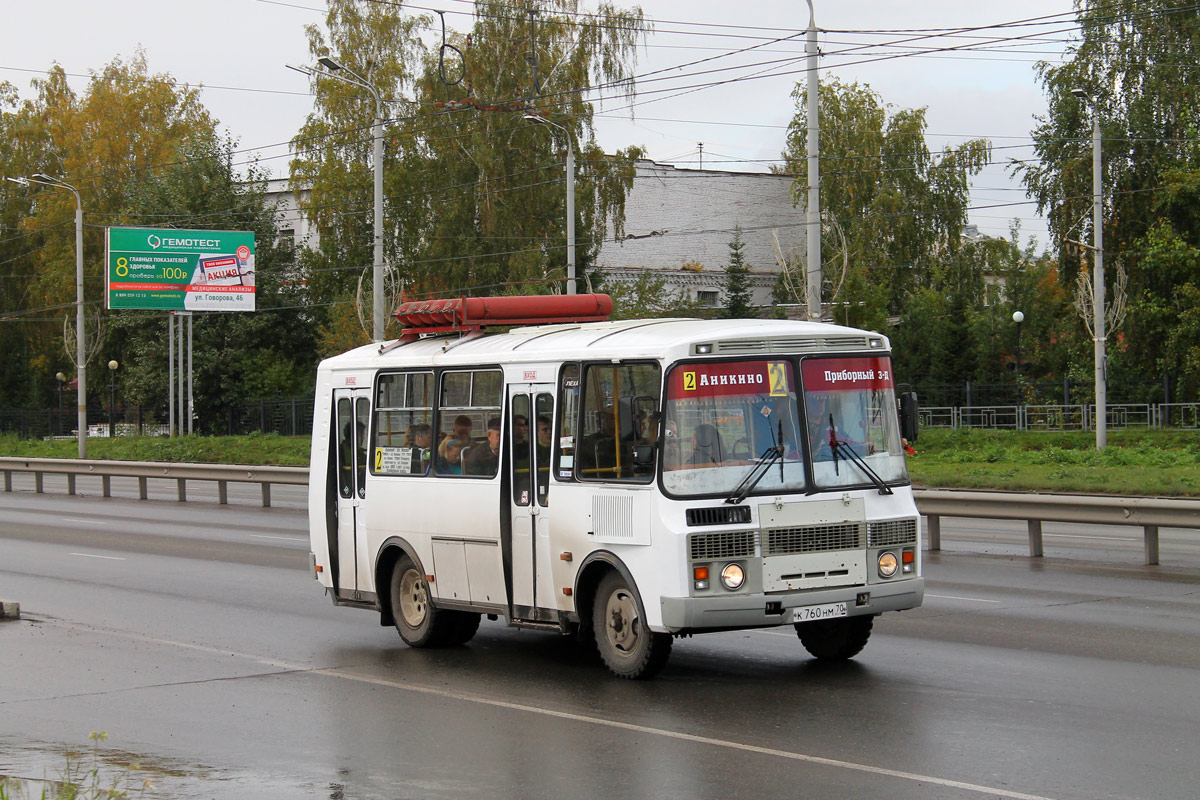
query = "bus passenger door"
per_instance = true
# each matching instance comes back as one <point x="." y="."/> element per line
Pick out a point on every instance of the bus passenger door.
<point x="530" y="427"/>
<point x="353" y="414"/>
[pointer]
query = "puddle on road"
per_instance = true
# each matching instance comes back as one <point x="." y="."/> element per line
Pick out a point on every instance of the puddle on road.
<point x="32" y="770"/>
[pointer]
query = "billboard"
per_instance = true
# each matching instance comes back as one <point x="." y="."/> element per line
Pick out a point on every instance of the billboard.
<point x="178" y="270"/>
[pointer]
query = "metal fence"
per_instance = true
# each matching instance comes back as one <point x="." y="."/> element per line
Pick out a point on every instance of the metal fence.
<point x="1062" y="417"/>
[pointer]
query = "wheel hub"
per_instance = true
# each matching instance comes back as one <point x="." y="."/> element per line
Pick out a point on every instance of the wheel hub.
<point x="414" y="599"/>
<point x="623" y="625"/>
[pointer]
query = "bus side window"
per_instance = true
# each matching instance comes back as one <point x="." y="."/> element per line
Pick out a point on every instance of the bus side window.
<point x="401" y="438"/>
<point x="362" y="418"/>
<point x="568" y="421"/>
<point x="345" y="429"/>
<point x="611" y="430"/>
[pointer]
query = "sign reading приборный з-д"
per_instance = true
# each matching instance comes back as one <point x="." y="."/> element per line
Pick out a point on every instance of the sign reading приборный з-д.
<point x="179" y="270"/>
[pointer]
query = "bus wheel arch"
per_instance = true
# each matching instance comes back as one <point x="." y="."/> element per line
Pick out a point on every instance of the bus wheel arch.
<point x="391" y="552"/>
<point x="587" y="580"/>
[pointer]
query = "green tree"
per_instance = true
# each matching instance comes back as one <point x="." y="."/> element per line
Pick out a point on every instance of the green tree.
<point x="475" y="191"/>
<point x="896" y="208"/>
<point x="737" y="280"/>
<point x="238" y="356"/>
<point x="1140" y="60"/>
<point x="126" y="124"/>
<point x="648" y="296"/>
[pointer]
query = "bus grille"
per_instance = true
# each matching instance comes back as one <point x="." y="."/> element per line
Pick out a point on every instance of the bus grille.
<point x="814" y="539"/>
<point x="720" y="515"/>
<point x="728" y="544"/>
<point x="892" y="532"/>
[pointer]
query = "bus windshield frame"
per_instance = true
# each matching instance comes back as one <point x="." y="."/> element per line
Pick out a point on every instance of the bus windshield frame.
<point x="721" y="418"/>
<point x="852" y="422"/>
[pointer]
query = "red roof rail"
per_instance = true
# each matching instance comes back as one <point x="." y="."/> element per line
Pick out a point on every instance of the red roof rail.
<point x="467" y="314"/>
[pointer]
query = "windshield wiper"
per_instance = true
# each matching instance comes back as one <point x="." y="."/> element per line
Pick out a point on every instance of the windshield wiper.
<point x="769" y="457"/>
<point x="854" y="458"/>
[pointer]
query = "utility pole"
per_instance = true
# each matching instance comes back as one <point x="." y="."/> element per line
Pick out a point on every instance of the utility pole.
<point x="1098" y="311"/>
<point x="812" y="214"/>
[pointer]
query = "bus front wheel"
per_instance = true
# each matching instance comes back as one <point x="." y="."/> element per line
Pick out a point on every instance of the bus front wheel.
<point x="628" y="648"/>
<point x="835" y="639"/>
<point x="418" y="622"/>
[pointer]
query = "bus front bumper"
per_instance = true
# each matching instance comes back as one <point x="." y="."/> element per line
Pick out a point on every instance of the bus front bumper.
<point x="697" y="614"/>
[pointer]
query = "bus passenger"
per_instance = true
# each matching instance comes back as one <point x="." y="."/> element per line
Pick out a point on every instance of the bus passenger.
<point x="450" y="449"/>
<point x="706" y="446"/>
<point x="483" y="459"/>
<point x="420" y="437"/>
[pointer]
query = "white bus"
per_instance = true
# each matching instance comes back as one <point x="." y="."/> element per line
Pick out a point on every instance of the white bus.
<point x="631" y="481"/>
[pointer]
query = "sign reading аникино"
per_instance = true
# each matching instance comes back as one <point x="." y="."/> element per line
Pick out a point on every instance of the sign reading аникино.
<point x="178" y="270"/>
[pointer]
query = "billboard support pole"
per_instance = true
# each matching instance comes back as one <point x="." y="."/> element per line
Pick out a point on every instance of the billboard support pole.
<point x="171" y="371"/>
<point x="190" y="416"/>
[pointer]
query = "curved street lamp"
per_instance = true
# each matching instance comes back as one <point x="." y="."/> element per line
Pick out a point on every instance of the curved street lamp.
<point x="339" y="72"/>
<point x="570" y="198"/>
<point x="80" y="346"/>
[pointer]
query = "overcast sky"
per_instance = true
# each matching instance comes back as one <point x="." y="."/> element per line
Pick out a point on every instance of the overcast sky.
<point x="985" y="88"/>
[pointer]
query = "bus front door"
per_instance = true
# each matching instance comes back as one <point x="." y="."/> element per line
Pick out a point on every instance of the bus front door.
<point x="353" y="411"/>
<point x="530" y="427"/>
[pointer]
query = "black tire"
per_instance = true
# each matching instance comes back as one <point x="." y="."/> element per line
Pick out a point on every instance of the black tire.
<point x="835" y="639"/>
<point x="463" y="628"/>
<point x="627" y="647"/>
<point x="417" y="621"/>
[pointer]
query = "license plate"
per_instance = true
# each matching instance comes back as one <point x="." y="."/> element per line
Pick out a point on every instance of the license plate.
<point x="814" y="613"/>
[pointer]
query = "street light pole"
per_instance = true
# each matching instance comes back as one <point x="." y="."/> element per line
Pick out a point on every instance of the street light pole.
<point x="1098" y="313"/>
<point x="62" y="379"/>
<point x="339" y="72"/>
<point x="80" y="344"/>
<point x="570" y="198"/>
<point x="1018" y="317"/>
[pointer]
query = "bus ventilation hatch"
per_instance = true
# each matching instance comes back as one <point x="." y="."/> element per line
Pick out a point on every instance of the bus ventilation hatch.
<point x="721" y="515"/>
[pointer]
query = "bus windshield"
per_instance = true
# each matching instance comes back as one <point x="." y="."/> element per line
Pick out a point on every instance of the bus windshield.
<point x="722" y="418"/>
<point x="853" y="428"/>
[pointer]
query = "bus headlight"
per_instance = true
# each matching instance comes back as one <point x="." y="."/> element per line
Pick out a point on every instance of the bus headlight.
<point x="887" y="565"/>
<point x="733" y="576"/>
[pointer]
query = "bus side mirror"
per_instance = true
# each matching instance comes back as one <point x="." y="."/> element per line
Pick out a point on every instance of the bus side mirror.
<point x="643" y="457"/>
<point x="908" y="416"/>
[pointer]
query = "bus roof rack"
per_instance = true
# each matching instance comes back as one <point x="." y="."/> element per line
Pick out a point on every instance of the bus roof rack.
<point x="472" y="314"/>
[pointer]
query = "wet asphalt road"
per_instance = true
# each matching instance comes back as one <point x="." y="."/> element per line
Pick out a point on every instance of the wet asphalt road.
<point x="194" y="635"/>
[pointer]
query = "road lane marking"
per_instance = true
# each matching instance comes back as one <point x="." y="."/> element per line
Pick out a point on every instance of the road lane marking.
<point x="686" y="737"/>
<point x="956" y="597"/>
<point x="85" y="521"/>
<point x="573" y="717"/>
<point x="284" y="538"/>
<point x="90" y="555"/>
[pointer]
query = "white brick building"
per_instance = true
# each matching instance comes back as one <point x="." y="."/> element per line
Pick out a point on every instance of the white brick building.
<point x="679" y="222"/>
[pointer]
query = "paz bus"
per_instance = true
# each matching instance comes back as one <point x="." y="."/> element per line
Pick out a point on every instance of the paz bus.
<point x="629" y="482"/>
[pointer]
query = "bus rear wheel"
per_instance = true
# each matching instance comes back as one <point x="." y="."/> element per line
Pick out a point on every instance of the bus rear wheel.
<point x="417" y="621"/>
<point x="835" y="639"/>
<point x="628" y="648"/>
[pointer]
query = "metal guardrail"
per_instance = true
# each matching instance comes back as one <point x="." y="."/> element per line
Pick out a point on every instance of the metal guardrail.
<point x="1150" y="513"/>
<point x="144" y="471"/>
